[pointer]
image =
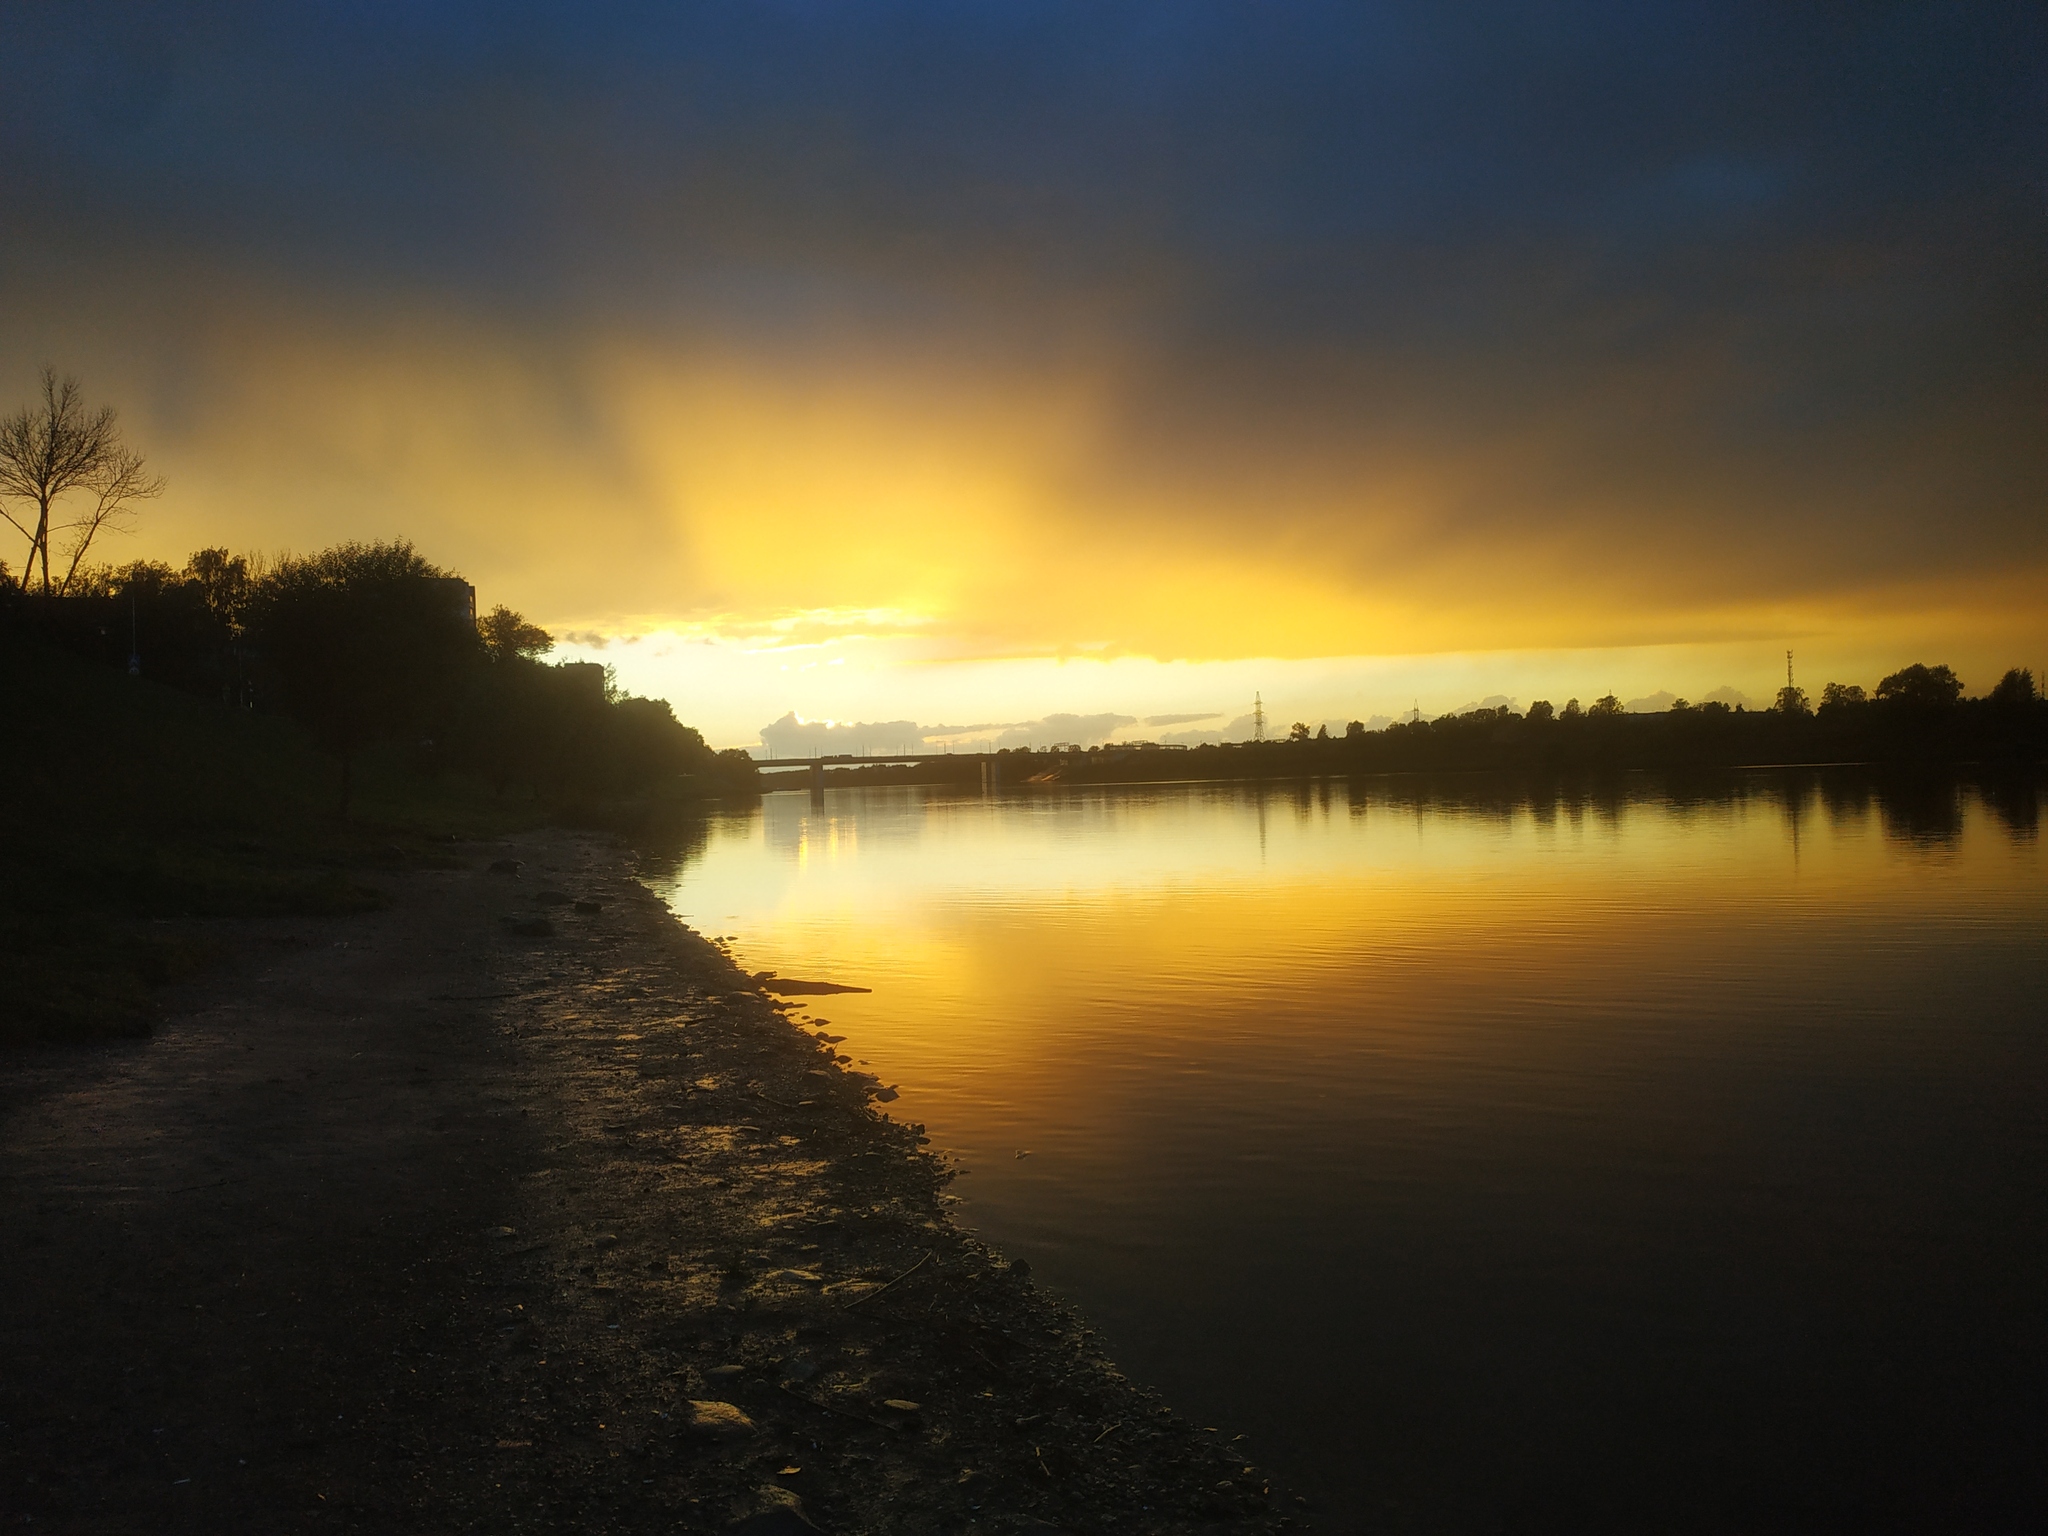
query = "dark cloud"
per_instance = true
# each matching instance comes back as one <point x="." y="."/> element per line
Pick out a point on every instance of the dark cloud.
<point x="1669" y="281"/>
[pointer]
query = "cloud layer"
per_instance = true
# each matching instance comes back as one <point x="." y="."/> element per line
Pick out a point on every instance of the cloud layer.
<point x="1185" y="330"/>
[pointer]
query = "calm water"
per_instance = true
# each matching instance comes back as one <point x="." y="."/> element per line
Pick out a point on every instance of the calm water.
<point x="1495" y="1159"/>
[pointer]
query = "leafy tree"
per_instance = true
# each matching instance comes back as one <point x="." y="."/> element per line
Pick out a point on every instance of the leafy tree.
<point x="140" y="579"/>
<point x="647" y="743"/>
<point x="1572" y="711"/>
<point x="1606" y="707"/>
<point x="1680" y="707"/>
<point x="1791" y="701"/>
<point x="1841" y="696"/>
<point x="518" y="717"/>
<point x="1298" y="731"/>
<point x="226" y="581"/>
<point x="1322" y="733"/>
<point x="1354" y="729"/>
<point x="1541" y="711"/>
<point x="363" y="643"/>
<point x="2016" y="687"/>
<point x="1922" y="686"/>
<point x="508" y="636"/>
<point x="48" y="451"/>
<point x="733" y="769"/>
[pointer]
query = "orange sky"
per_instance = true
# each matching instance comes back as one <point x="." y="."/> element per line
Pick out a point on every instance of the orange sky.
<point x="779" y="412"/>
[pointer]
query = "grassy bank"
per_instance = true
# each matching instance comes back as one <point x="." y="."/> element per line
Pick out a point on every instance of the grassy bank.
<point x="141" y="813"/>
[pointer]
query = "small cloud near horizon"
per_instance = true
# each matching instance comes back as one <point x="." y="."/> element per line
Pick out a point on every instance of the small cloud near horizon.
<point x="1491" y="701"/>
<point x="791" y="737"/>
<point x="1659" y="702"/>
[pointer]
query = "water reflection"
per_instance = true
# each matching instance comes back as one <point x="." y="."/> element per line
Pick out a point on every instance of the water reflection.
<point x="1644" y="1153"/>
<point x="1914" y="812"/>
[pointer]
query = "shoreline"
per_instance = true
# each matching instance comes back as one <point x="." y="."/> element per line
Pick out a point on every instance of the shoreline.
<point x="407" y="1221"/>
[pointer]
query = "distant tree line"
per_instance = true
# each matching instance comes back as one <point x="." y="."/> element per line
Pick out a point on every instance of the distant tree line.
<point x="1917" y="715"/>
<point x="366" y="644"/>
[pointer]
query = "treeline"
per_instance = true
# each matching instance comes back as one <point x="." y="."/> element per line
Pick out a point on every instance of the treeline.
<point x="369" y="644"/>
<point x="1916" y="716"/>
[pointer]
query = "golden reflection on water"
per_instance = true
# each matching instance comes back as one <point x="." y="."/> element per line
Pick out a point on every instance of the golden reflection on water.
<point x="1272" y="1050"/>
<point x="1234" y="930"/>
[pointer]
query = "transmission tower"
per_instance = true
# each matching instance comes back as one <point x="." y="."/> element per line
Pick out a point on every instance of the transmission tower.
<point x="1258" y="718"/>
<point x="1788" y="669"/>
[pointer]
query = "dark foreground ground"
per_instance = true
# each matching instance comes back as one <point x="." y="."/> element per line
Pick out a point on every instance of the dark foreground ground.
<point x="414" y="1223"/>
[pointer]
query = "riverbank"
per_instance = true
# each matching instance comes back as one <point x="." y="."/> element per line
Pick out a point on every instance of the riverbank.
<point x="407" y="1220"/>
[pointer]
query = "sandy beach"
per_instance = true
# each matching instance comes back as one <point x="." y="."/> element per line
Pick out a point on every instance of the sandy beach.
<point x="414" y="1221"/>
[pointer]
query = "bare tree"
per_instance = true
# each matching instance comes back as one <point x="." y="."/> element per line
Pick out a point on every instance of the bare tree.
<point x="50" y="450"/>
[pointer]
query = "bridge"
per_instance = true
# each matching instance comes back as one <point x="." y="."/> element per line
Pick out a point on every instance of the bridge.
<point x="990" y="768"/>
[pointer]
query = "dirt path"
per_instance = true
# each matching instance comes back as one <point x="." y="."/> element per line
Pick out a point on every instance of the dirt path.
<point x="413" y="1223"/>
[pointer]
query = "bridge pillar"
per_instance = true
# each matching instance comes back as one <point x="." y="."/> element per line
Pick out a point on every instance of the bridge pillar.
<point x="818" y="782"/>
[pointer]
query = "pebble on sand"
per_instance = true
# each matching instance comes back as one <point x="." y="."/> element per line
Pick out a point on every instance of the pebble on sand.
<point x="716" y="1420"/>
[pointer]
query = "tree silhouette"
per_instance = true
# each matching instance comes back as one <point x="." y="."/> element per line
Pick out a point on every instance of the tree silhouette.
<point x="362" y="643"/>
<point x="1922" y="686"/>
<point x="48" y="451"/>
<point x="507" y="635"/>
<point x="2016" y="687"/>
<point x="1791" y="701"/>
<point x="226" y="581"/>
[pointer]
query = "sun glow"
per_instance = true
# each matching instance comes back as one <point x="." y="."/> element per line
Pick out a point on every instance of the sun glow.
<point x="855" y="530"/>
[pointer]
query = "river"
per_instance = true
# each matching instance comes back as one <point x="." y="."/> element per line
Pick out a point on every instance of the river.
<point x="1644" y="1156"/>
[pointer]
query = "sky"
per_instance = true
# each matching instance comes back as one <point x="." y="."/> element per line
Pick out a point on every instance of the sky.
<point x="970" y="364"/>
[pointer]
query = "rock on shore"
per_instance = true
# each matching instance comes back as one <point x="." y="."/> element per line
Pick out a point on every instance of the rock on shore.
<point x="441" y="1219"/>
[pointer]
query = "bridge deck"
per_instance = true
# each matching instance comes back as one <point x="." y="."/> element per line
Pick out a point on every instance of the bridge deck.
<point x="878" y="760"/>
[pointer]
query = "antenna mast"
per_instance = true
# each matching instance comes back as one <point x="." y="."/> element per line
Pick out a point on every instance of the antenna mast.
<point x="1788" y="669"/>
<point x="1258" y="718"/>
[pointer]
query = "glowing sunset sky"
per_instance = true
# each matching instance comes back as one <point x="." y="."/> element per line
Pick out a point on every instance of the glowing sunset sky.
<point x="970" y="362"/>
